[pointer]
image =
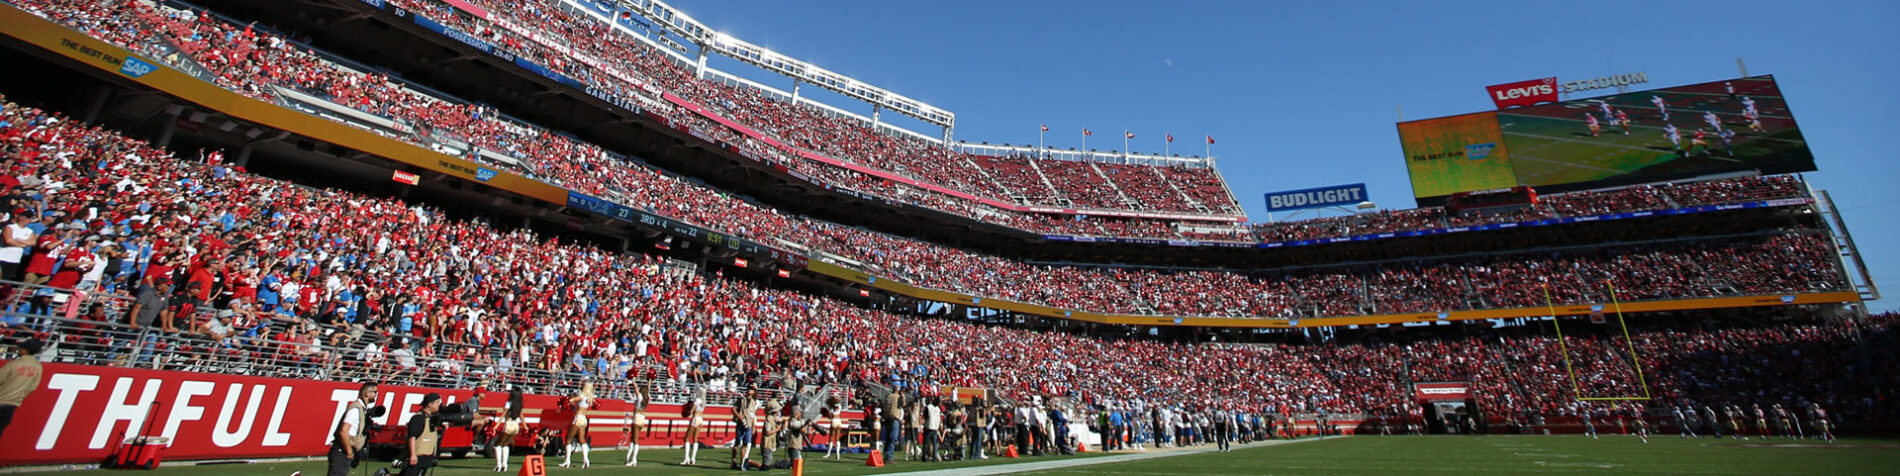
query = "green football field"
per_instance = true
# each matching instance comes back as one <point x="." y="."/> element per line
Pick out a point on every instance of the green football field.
<point x="1365" y="455"/>
<point x="1515" y="455"/>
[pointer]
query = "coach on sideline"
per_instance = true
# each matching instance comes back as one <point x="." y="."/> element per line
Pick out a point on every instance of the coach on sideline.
<point x="19" y="378"/>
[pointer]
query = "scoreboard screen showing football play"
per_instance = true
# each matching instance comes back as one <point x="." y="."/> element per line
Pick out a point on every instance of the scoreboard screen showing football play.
<point x="1627" y="138"/>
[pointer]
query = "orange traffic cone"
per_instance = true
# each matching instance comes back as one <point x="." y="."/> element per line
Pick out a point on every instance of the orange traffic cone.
<point x="798" y="467"/>
<point x="1081" y="447"/>
<point x="876" y="460"/>
<point x="1011" y="452"/>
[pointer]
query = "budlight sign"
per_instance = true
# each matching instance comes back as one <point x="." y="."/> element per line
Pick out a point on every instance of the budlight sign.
<point x="1337" y="195"/>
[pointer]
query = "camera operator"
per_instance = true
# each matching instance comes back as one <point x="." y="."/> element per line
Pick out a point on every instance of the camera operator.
<point x="18" y="378"/>
<point x="348" y="441"/>
<point x="425" y="433"/>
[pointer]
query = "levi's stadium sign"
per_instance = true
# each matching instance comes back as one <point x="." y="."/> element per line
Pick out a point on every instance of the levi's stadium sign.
<point x="1543" y="90"/>
<point x="1605" y="82"/>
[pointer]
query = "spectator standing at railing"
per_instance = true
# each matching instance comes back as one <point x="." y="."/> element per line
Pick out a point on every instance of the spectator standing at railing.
<point x="404" y="357"/>
<point x="18" y="378"/>
<point x="47" y="250"/>
<point x="18" y="239"/>
<point x="148" y="304"/>
<point x="73" y="260"/>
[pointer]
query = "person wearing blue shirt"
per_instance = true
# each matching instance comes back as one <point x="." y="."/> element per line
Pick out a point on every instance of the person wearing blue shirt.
<point x="46" y="221"/>
<point x="347" y="305"/>
<point x="408" y="310"/>
<point x="1061" y="431"/>
<point x="267" y="297"/>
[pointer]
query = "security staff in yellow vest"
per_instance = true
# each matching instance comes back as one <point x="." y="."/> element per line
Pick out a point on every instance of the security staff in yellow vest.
<point x="350" y="429"/>
<point x="424" y="434"/>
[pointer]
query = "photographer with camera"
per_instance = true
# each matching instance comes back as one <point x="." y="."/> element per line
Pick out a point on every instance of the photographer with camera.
<point x="347" y="445"/>
<point x="19" y="378"/>
<point x="425" y="433"/>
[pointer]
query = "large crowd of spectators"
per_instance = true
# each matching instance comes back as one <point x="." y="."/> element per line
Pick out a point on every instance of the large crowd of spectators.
<point x="239" y="260"/>
<point x="255" y="61"/>
<point x="251" y="60"/>
<point x="1081" y="184"/>
<point x="1567" y="205"/>
<point x="577" y="45"/>
<point x="274" y="261"/>
<point x="1525" y="373"/>
<point x="246" y="262"/>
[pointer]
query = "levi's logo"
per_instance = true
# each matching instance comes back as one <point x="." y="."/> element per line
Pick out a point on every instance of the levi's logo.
<point x="1524" y="92"/>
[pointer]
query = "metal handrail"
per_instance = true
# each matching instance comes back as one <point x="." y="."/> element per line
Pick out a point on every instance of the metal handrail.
<point x="259" y="351"/>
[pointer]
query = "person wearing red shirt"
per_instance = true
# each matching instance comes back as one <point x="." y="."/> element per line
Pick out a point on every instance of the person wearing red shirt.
<point x="52" y="246"/>
<point x="200" y="282"/>
<point x="78" y="260"/>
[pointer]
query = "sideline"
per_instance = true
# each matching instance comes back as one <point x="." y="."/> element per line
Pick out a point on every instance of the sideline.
<point x="1069" y="463"/>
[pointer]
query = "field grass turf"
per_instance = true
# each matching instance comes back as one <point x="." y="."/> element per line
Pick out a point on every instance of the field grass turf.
<point x="1364" y="455"/>
<point x="1519" y="455"/>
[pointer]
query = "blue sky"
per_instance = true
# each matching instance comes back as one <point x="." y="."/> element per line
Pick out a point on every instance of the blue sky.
<point x="1303" y="94"/>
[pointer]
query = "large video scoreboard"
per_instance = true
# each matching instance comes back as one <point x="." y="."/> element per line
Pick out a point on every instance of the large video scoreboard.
<point x="1638" y="137"/>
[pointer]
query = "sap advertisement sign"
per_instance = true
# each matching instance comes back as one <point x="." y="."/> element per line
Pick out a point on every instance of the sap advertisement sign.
<point x="1336" y="195"/>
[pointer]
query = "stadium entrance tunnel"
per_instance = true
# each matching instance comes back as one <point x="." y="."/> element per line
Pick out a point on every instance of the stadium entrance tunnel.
<point x="1449" y="408"/>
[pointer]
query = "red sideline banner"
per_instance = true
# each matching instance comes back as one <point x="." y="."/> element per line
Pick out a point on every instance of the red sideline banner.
<point x="81" y="413"/>
<point x="1442" y="390"/>
<point x="1524" y="93"/>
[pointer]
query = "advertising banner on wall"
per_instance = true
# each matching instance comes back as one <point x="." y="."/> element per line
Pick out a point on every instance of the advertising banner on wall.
<point x="1441" y="390"/>
<point x="81" y="413"/>
<point x="1321" y="197"/>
